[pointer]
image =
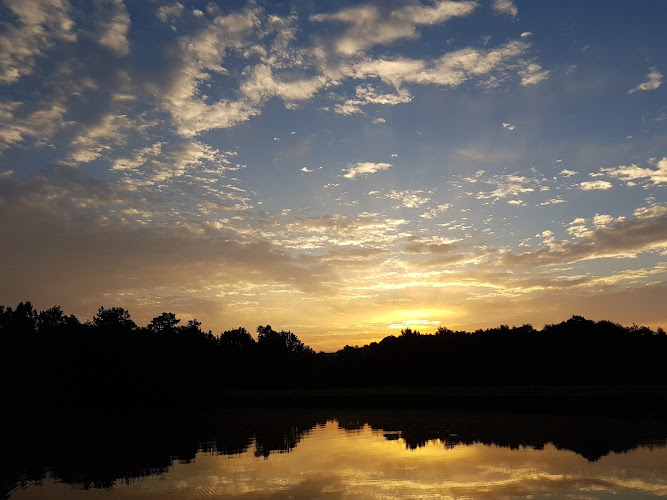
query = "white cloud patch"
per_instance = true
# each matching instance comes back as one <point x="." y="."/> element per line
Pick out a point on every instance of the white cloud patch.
<point x="41" y="124"/>
<point x="454" y="68"/>
<point x="631" y="173"/>
<point x="201" y="56"/>
<point x="170" y="12"/>
<point x="378" y="121"/>
<point x="434" y="212"/>
<point x="595" y="185"/>
<point x="508" y="126"/>
<point x="653" y="81"/>
<point x="568" y="173"/>
<point x="532" y="74"/>
<point x="506" y="186"/>
<point x="505" y="7"/>
<point x="114" y="31"/>
<point x="41" y="23"/>
<point x="369" y="25"/>
<point x="625" y="238"/>
<point x="526" y="34"/>
<point x="553" y="201"/>
<point x="367" y="94"/>
<point x="408" y="198"/>
<point x="93" y="140"/>
<point x="306" y="170"/>
<point x="364" y="168"/>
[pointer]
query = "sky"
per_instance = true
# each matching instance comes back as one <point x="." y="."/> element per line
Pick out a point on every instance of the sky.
<point x="340" y="169"/>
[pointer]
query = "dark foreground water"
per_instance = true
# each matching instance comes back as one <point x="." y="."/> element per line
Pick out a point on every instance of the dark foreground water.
<point x="332" y="454"/>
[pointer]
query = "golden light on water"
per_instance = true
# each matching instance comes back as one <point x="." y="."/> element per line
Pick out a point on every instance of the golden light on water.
<point x="363" y="463"/>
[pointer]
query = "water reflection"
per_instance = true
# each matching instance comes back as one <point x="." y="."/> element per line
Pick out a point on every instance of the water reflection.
<point x="278" y="454"/>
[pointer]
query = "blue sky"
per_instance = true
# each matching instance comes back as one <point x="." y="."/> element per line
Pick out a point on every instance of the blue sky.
<point x="340" y="169"/>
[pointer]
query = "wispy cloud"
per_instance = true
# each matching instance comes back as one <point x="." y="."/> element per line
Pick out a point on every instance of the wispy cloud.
<point x="653" y="81"/>
<point x="632" y="173"/>
<point x="41" y="23"/>
<point x="505" y="7"/>
<point x="369" y="25"/>
<point x="364" y="168"/>
<point x="595" y="185"/>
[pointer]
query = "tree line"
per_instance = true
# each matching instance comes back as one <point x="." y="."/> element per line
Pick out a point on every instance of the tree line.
<point x="48" y="356"/>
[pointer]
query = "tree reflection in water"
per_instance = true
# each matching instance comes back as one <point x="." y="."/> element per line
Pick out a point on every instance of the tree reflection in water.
<point x="100" y="451"/>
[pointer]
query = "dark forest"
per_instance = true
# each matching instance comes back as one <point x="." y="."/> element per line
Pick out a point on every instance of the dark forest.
<point x="53" y="358"/>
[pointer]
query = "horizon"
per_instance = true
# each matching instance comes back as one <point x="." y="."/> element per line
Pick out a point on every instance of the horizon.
<point x="254" y="332"/>
<point x="342" y="170"/>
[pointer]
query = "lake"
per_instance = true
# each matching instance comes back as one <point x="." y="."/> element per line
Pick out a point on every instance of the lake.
<point x="333" y="454"/>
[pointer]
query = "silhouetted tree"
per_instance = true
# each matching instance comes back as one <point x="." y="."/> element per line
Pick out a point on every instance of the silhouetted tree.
<point x="114" y="318"/>
<point x="165" y="321"/>
<point x="237" y="340"/>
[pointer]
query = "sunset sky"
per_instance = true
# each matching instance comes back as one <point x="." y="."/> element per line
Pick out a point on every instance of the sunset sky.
<point x="339" y="169"/>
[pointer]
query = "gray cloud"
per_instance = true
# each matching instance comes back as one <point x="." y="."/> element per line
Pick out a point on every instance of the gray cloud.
<point x="646" y="231"/>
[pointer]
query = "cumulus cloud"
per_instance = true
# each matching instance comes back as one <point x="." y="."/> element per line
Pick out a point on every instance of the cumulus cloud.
<point x="408" y="198"/>
<point x="201" y="55"/>
<point x="364" y="168"/>
<point x="568" y="173"/>
<point x="595" y="185"/>
<point x="306" y="170"/>
<point x="41" y="24"/>
<point x="532" y="74"/>
<point x="367" y="94"/>
<point x="505" y="7"/>
<point x="653" y="81"/>
<point x="369" y="25"/>
<point x="434" y="212"/>
<point x="553" y="201"/>
<point x="456" y="67"/>
<point x="41" y="124"/>
<point x="506" y="186"/>
<point x="114" y="32"/>
<point x="630" y="173"/>
<point x="646" y="231"/>
<point x="94" y="139"/>
<point x="509" y="126"/>
<point x="170" y="12"/>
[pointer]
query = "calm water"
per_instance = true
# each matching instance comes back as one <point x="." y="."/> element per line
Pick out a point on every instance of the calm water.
<point x="335" y="455"/>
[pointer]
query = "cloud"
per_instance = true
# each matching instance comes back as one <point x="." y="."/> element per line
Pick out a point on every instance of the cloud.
<point x="200" y="56"/>
<point x="434" y="212"/>
<point x="505" y="7"/>
<point x="526" y="34"/>
<point x="170" y="12"/>
<point x="369" y="25"/>
<point x="306" y="170"/>
<point x="654" y="80"/>
<point x="454" y="68"/>
<point x="262" y="84"/>
<point x="509" y="126"/>
<point x="41" y="23"/>
<point x="408" y="198"/>
<point x="595" y="185"/>
<point x="633" y="172"/>
<point x="532" y="74"/>
<point x="365" y="168"/>
<point x="41" y="124"/>
<point x="366" y="94"/>
<point x="646" y="231"/>
<point x="568" y="173"/>
<point x="114" y="32"/>
<point x="378" y="121"/>
<point x="94" y="139"/>
<point x="506" y="186"/>
<point x="553" y="201"/>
